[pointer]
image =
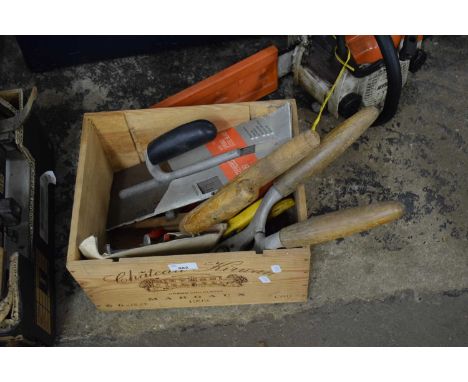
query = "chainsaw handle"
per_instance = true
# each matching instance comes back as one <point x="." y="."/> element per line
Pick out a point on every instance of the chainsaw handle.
<point x="336" y="225"/>
<point x="180" y="140"/>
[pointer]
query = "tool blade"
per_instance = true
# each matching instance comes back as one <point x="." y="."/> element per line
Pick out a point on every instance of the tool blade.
<point x="266" y="133"/>
<point x="183" y="192"/>
<point x="135" y="207"/>
<point x="269" y="131"/>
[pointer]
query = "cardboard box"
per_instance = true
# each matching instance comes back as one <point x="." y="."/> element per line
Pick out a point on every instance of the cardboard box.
<point x="112" y="141"/>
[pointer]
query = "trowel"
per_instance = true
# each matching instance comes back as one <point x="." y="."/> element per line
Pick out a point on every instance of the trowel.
<point x="190" y="163"/>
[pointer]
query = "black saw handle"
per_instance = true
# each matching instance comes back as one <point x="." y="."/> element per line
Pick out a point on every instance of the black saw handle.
<point x="180" y="140"/>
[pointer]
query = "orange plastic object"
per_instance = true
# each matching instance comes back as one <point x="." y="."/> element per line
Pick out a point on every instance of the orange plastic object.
<point x="365" y="50"/>
<point x="247" y="80"/>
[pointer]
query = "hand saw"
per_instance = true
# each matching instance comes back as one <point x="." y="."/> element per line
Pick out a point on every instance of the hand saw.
<point x="146" y="190"/>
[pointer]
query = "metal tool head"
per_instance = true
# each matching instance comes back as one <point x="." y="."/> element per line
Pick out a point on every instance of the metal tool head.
<point x="128" y="210"/>
<point x="269" y="131"/>
<point x="239" y="242"/>
<point x="137" y="194"/>
<point x="144" y="190"/>
<point x="253" y="236"/>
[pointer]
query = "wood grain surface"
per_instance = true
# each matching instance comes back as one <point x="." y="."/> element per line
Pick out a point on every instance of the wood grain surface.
<point x="92" y="192"/>
<point x="145" y="125"/>
<point x="220" y="279"/>
<point x="335" y="225"/>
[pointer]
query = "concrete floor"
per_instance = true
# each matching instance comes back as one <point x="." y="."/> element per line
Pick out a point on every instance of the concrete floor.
<point x="403" y="284"/>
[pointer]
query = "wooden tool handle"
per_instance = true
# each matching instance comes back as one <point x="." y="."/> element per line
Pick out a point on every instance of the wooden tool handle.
<point x="244" y="189"/>
<point x="340" y="224"/>
<point x="331" y="147"/>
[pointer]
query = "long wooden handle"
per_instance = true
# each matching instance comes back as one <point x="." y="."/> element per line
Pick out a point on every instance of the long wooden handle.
<point x="331" y="147"/>
<point x="244" y="189"/>
<point x="340" y="224"/>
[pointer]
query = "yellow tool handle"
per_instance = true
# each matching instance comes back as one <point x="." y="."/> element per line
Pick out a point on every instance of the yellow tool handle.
<point x="242" y="220"/>
<point x="340" y="224"/>
<point x="244" y="189"/>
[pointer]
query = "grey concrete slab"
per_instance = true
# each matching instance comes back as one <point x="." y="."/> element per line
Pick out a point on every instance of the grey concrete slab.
<point x="401" y="320"/>
<point x="420" y="158"/>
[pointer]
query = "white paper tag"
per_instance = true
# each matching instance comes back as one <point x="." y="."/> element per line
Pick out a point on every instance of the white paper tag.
<point x="182" y="267"/>
<point x="276" y="268"/>
<point x="264" y="279"/>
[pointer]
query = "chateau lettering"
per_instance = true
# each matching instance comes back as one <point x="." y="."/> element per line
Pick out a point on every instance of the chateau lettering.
<point x="236" y="266"/>
<point x="132" y="276"/>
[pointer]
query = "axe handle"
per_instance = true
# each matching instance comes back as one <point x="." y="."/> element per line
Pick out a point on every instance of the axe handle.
<point x="244" y="189"/>
<point x="340" y="224"/>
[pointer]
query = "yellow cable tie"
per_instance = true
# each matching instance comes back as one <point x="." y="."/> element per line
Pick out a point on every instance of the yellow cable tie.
<point x="338" y="58"/>
<point x="330" y="92"/>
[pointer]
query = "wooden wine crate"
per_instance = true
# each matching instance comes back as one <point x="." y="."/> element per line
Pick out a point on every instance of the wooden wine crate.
<point x="112" y="141"/>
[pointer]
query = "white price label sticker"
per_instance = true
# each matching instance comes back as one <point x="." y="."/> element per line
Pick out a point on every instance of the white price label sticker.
<point x="182" y="267"/>
<point x="276" y="268"/>
<point x="264" y="279"/>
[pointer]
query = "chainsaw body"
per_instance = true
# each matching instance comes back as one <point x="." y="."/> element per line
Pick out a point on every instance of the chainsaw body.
<point x="365" y="79"/>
